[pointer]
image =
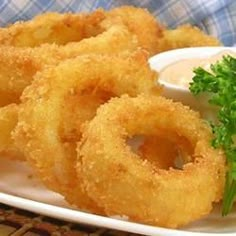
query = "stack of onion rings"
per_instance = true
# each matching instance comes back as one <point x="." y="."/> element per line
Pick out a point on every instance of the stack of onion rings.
<point x="29" y="52"/>
<point x="24" y="51"/>
<point x="67" y="65"/>
<point x="43" y="132"/>
<point x="65" y="28"/>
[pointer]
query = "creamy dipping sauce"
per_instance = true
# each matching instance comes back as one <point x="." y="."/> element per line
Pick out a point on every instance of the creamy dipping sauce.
<point x="181" y="72"/>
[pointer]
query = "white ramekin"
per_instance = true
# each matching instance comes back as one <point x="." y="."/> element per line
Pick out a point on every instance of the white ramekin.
<point x="178" y="93"/>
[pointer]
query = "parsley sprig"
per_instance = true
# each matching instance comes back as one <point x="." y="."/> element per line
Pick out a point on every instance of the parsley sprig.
<point x="220" y="82"/>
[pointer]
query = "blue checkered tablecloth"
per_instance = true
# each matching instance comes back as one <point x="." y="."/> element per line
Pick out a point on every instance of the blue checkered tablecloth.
<point x="216" y="17"/>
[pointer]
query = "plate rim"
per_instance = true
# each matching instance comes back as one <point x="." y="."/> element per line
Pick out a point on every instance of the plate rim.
<point x="77" y="216"/>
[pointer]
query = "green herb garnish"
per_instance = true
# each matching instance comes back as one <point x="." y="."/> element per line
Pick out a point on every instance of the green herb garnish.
<point x="220" y="82"/>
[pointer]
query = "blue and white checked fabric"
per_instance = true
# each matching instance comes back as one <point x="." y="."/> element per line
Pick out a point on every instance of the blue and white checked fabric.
<point x="216" y="17"/>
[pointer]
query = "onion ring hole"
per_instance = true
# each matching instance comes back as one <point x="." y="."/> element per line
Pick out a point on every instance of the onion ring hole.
<point x="162" y="152"/>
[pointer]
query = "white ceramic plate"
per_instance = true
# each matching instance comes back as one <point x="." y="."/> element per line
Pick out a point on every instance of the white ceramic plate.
<point x="19" y="188"/>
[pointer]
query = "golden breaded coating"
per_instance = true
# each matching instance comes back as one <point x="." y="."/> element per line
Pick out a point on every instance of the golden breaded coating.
<point x="186" y="36"/>
<point x="52" y="28"/>
<point x="141" y="23"/>
<point x="8" y="121"/>
<point x="64" y="28"/>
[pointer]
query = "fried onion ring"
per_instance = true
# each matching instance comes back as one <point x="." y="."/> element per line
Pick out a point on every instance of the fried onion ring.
<point x="185" y="36"/>
<point x="43" y="131"/>
<point x="140" y="22"/>
<point x="52" y="27"/>
<point x="122" y="183"/>
<point x="64" y="28"/>
<point x="19" y="65"/>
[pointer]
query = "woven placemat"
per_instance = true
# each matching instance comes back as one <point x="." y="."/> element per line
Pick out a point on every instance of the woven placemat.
<point x="18" y="222"/>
